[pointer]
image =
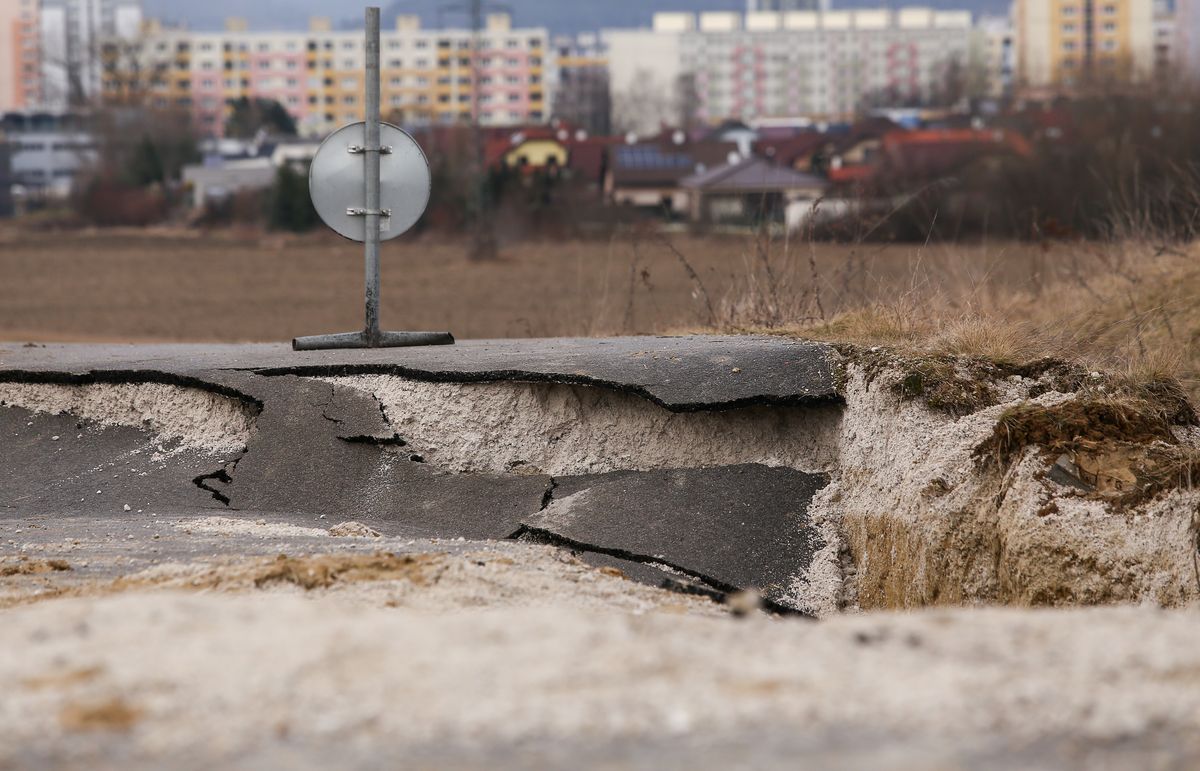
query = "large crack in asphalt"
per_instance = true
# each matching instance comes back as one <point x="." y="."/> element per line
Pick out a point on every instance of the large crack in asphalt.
<point x="712" y="587"/>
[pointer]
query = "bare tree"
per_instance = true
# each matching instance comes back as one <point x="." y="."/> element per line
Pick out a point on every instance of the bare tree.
<point x="644" y="106"/>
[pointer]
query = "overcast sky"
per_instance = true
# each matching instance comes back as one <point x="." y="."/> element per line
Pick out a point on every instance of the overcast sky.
<point x="558" y="15"/>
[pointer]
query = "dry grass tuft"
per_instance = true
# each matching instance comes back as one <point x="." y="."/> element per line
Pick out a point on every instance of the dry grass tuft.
<point x="113" y="714"/>
<point x="28" y="567"/>
<point x="1073" y="424"/>
<point x="323" y="571"/>
<point x="994" y="340"/>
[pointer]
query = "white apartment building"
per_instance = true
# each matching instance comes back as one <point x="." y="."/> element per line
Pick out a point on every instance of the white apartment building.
<point x="997" y="52"/>
<point x="72" y="32"/>
<point x="795" y="63"/>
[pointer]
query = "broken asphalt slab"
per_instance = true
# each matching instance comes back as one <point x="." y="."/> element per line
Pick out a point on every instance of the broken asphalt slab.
<point x="732" y="527"/>
<point x="678" y="373"/>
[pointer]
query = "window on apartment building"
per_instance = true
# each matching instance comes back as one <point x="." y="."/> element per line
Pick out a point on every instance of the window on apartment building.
<point x="245" y="83"/>
<point x="514" y="97"/>
<point x="347" y="64"/>
<point x="535" y="42"/>
<point x="328" y="45"/>
<point x="206" y="46"/>
<point x="535" y="61"/>
<point x="464" y="97"/>
<point x="422" y="64"/>
<point x="207" y="83"/>
<point x="264" y="65"/>
<point x="443" y="81"/>
<point x="1110" y="27"/>
<point x="512" y="42"/>
<point x="292" y="82"/>
<point x="330" y="100"/>
<point x="395" y="82"/>
<point x="464" y="61"/>
<point x="328" y="82"/>
<point x="1069" y="10"/>
<point x="422" y="99"/>
<point x="329" y="117"/>
<point x="1109" y="45"/>
<point x="512" y="62"/>
<point x="422" y="81"/>
<point x="1110" y="10"/>
<point x="395" y="64"/>
<point x="349" y="116"/>
<point x="443" y="43"/>
<point x="291" y="64"/>
<point x="327" y="64"/>
<point x="349" y="83"/>
<point x="1068" y="45"/>
<point x="443" y="98"/>
<point x="393" y="45"/>
<point x="347" y="45"/>
<point x="349" y="99"/>
<point x="264" y="48"/>
<point x="312" y="45"/>
<point x="312" y="65"/>
<point x="230" y="84"/>
<point x="1069" y="29"/>
<point x="312" y="100"/>
<point x="422" y="44"/>
<point x="207" y="65"/>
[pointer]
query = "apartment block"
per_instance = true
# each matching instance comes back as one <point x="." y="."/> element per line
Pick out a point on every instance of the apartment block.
<point x="20" y="55"/>
<point x="997" y="54"/>
<point x="72" y="33"/>
<point x="579" y="83"/>
<point x="1063" y="45"/>
<point x="755" y="6"/>
<point x="718" y="65"/>
<point x="428" y="76"/>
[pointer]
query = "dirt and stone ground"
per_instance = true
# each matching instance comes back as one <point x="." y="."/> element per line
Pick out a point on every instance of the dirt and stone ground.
<point x="558" y="553"/>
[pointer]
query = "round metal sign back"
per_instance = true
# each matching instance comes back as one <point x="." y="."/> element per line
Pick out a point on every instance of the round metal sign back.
<point x="337" y="181"/>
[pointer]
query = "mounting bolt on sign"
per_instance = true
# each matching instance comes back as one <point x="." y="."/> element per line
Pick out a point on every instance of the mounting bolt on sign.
<point x="369" y="182"/>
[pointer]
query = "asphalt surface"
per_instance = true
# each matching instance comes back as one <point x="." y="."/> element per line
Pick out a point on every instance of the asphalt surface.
<point x="679" y="373"/>
<point x="325" y="450"/>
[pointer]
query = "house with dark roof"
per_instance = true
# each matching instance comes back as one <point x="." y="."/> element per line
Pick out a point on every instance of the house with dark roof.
<point x="647" y="174"/>
<point x="749" y="190"/>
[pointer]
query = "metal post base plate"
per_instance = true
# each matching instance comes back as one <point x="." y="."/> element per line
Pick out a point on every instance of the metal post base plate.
<point x="362" y="340"/>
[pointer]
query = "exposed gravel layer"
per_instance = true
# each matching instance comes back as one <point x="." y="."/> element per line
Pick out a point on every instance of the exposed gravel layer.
<point x="566" y="429"/>
<point x="193" y="417"/>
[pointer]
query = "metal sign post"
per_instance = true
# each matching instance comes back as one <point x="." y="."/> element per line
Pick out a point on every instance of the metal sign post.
<point x="392" y="202"/>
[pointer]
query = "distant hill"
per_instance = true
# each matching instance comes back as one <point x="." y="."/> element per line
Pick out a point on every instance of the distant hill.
<point x="558" y="15"/>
